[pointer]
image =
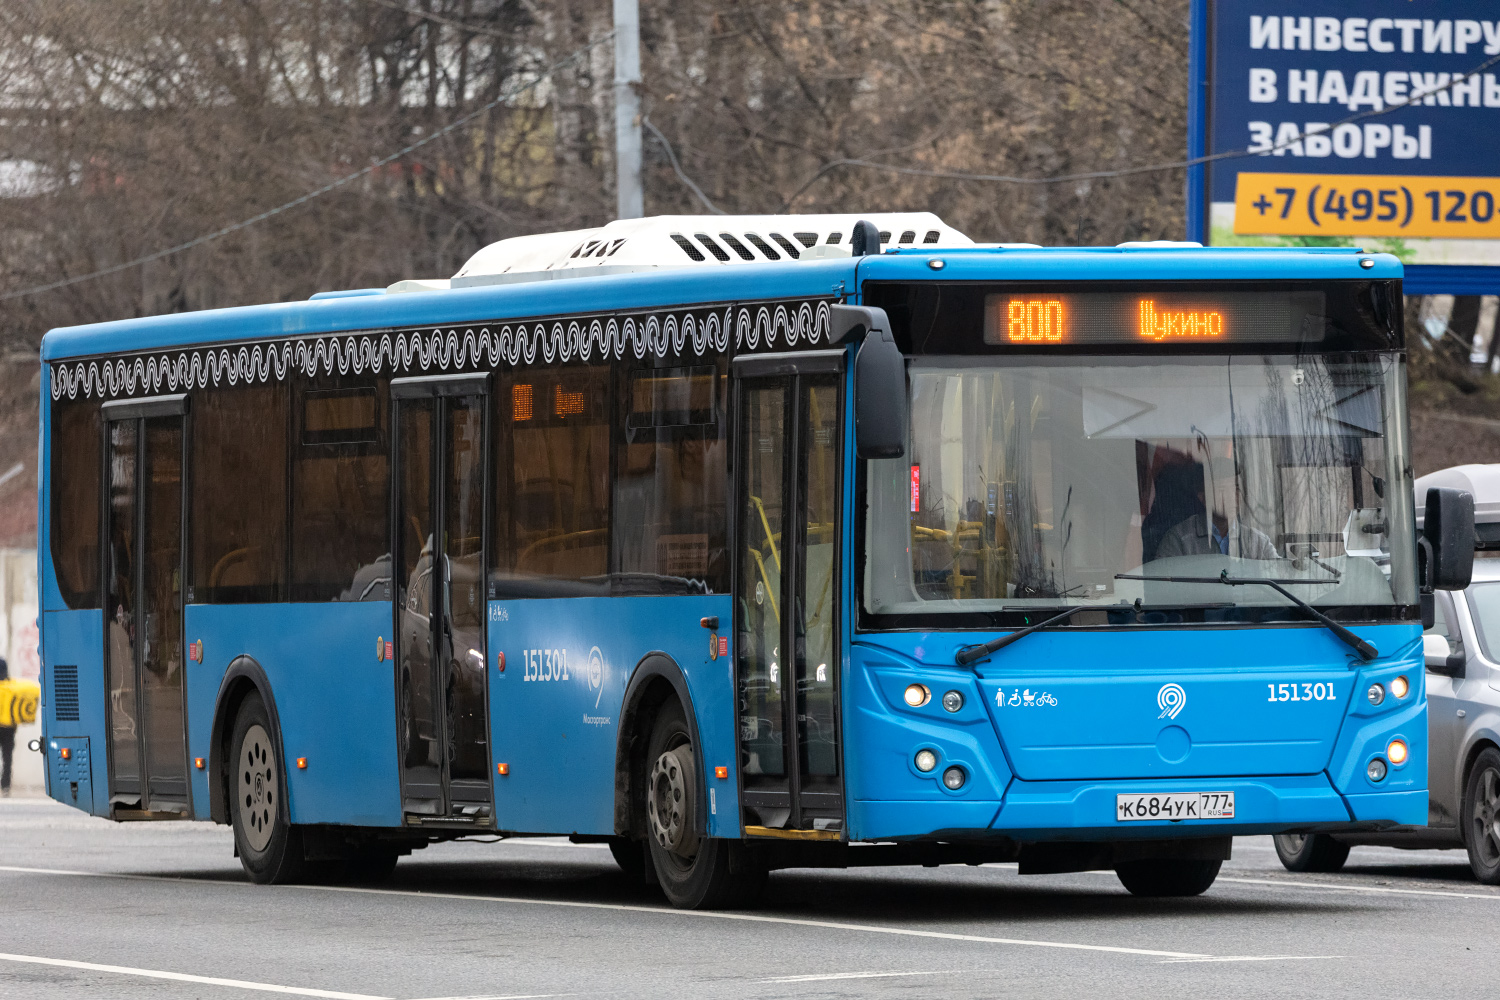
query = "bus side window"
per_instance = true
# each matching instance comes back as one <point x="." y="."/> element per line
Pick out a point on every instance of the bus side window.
<point x="74" y="472"/>
<point x="341" y="489"/>
<point x="239" y="491"/>
<point x="551" y="483"/>
<point x="669" y="534"/>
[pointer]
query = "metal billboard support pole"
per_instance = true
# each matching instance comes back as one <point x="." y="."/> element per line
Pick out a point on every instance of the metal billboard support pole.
<point x="630" y="201"/>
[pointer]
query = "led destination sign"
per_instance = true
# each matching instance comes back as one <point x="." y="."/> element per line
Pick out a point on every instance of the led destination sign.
<point x="1049" y="318"/>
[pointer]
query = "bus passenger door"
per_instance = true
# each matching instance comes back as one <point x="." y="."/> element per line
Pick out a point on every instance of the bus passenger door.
<point x="788" y="434"/>
<point x="143" y="627"/>
<point x="439" y="547"/>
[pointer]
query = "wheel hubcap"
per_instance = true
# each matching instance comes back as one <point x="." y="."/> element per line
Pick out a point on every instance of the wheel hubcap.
<point x="258" y="792"/>
<point x="1486" y="821"/>
<point x="669" y="802"/>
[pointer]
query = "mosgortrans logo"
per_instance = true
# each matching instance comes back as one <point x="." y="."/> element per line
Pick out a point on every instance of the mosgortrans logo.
<point x="1170" y="699"/>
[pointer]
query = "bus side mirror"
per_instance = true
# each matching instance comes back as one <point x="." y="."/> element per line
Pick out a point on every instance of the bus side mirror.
<point x="1448" y="539"/>
<point x="880" y="418"/>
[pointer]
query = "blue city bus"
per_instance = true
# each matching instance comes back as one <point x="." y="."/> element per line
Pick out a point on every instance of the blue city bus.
<point x="747" y="543"/>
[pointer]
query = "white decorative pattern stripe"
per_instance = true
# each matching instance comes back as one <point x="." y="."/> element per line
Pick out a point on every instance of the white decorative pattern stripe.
<point x="756" y="326"/>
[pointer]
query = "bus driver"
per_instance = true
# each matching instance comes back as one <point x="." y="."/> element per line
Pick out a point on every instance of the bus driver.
<point x="1221" y="532"/>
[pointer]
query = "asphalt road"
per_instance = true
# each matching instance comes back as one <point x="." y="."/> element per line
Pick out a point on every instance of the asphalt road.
<point x="91" y="909"/>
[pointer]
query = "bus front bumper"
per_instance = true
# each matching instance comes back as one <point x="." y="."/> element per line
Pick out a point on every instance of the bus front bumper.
<point x="1086" y="810"/>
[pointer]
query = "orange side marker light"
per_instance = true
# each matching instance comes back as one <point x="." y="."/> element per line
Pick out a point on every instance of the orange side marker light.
<point x="302" y="763"/>
<point x="198" y="763"/>
<point x="66" y="753"/>
<point x="502" y="769"/>
<point x="721" y="772"/>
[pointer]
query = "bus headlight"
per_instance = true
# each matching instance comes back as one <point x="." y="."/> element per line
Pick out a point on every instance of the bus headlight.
<point x="954" y="778"/>
<point x="917" y="695"/>
<point x="1376" y="694"/>
<point x="1397" y="752"/>
<point x="925" y="760"/>
<point x="953" y="701"/>
<point x="1376" y="770"/>
<point x="1400" y="686"/>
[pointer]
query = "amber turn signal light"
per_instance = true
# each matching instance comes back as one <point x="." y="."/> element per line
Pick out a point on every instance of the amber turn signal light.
<point x="66" y="753"/>
<point x="1397" y="752"/>
<point x="302" y="763"/>
<point x="198" y="763"/>
<point x="721" y="773"/>
<point x="502" y="769"/>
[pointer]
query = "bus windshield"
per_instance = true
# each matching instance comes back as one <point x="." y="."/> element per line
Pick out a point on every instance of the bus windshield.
<point x="1039" y="482"/>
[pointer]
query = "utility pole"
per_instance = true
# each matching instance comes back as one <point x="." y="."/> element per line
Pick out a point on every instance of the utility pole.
<point x="631" y="201"/>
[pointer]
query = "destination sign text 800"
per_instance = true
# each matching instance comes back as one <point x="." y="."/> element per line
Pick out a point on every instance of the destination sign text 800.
<point x="1046" y="318"/>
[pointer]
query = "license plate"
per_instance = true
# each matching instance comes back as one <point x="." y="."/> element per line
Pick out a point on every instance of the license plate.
<point x="1174" y="806"/>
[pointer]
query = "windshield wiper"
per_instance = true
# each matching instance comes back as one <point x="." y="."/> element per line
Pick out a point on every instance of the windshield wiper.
<point x="969" y="654"/>
<point x="1362" y="647"/>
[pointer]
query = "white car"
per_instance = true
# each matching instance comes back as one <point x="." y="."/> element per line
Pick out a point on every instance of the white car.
<point x="1462" y="650"/>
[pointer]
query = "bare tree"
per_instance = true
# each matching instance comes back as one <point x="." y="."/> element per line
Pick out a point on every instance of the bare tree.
<point x="137" y="125"/>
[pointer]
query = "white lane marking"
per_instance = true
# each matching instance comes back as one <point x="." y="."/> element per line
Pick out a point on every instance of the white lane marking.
<point x="181" y="977"/>
<point x="1251" y="958"/>
<point x="1377" y="889"/>
<point x="756" y="918"/>
<point x="1336" y="887"/>
<point x="515" y="996"/>
<point x="856" y="975"/>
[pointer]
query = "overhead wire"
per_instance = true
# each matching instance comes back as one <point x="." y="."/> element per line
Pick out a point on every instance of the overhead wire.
<point x="822" y="171"/>
<point x="333" y="185"/>
<point x="1130" y="171"/>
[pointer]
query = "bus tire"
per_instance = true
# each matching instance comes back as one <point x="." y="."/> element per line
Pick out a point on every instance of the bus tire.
<point x="1481" y="817"/>
<point x="630" y="855"/>
<point x="694" y="872"/>
<point x="1313" y="852"/>
<point x="270" y="848"/>
<point x="1168" y="876"/>
<point x="370" y="867"/>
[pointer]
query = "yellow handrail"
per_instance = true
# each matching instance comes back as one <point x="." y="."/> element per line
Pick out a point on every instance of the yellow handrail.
<point x="766" y="524"/>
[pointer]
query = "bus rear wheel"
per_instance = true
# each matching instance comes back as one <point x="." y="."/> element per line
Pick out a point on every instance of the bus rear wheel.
<point x="695" y="872"/>
<point x="1168" y="876"/>
<point x="270" y="848"/>
<point x="1312" y="852"/>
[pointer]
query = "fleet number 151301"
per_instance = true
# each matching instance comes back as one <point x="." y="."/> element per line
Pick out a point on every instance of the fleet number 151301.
<point x="1302" y="692"/>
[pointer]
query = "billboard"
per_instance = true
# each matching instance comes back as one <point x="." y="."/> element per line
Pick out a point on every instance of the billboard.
<point x="1372" y="123"/>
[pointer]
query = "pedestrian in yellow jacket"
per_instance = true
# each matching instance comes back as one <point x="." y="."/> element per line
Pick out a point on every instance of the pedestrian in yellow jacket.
<point x="18" y="701"/>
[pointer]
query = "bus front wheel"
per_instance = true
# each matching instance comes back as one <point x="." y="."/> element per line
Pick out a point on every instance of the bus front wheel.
<point x="1168" y="877"/>
<point x="694" y="872"/>
<point x="1312" y="852"/>
<point x="270" y="848"/>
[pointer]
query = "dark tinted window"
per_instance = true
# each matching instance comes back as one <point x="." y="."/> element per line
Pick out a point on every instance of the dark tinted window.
<point x="74" y="485"/>
<point x="340" y="490"/>
<point x="239" y="508"/>
<point x="669" y="531"/>
<point x="552" y="432"/>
